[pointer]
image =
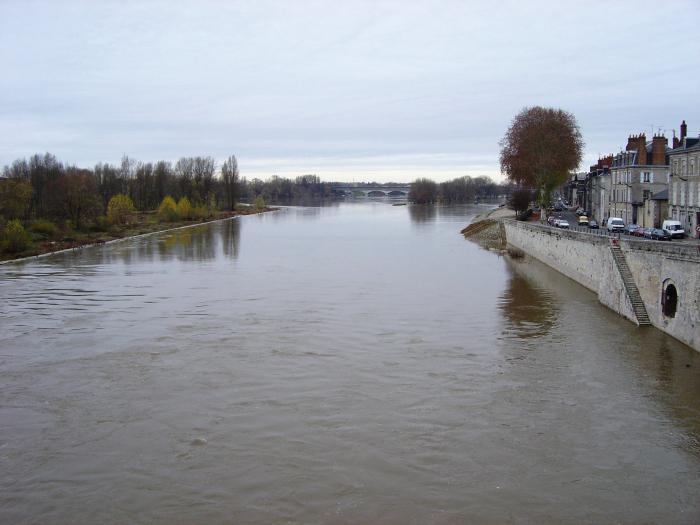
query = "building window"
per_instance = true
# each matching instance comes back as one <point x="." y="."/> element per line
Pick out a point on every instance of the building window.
<point x="646" y="176"/>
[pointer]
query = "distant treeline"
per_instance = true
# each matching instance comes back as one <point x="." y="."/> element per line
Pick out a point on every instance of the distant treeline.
<point x="309" y="188"/>
<point x="43" y="187"/>
<point x="461" y="189"/>
<point x="280" y="190"/>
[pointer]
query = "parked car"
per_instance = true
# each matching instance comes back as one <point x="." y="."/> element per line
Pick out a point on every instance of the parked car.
<point x="580" y="211"/>
<point x="583" y="220"/>
<point x="638" y="231"/>
<point x="563" y="224"/>
<point x="673" y="228"/>
<point x="647" y="232"/>
<point x="551" y="220"/>
<point x="593" y="224"/>
<point x="660" y="235"/>
<point x="558" y="207"/>
<point x="615" y="224"/>
<point x="630" y="228"/>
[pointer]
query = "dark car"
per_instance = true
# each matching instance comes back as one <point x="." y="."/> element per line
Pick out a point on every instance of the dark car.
<point x="593" y="225"/>
<point x="647" y="232"/>
<point x="629" y="229"/>
<point x="660" y="235"/>
<point x="639" y="231"/>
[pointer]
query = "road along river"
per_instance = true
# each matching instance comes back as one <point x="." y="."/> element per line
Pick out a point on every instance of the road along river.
<point x="357" y="363"/>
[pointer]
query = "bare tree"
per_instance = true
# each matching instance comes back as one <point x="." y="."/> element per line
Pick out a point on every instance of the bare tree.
<point x="540" y="148"/>
<point x="229" y="177"/>
<point x="78" y="198"/>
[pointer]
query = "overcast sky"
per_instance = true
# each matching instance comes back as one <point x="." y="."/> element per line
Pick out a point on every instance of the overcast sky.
<point x="343" y="89"/>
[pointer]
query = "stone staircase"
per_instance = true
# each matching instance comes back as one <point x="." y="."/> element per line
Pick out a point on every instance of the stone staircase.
<point x="476" y="227"/>
<point x="640" y="310"/>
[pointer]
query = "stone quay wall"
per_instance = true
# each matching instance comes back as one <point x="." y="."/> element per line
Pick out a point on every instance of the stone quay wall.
<point x="586" y="258"/>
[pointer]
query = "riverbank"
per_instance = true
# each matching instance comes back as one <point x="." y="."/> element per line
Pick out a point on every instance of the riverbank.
<point x="502" y="212"/>
<point x="141" y="228"/>
<point x="648" y="283"/>
<point x="487" y="229"/>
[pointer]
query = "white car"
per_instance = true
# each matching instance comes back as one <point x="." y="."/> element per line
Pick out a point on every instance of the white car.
<point x="615" y="224"/>
<point x="563" y="224"/>
<point x="673" y="228"/>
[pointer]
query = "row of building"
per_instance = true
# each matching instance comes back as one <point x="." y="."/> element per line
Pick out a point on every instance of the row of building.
<point x="645" y="184"/>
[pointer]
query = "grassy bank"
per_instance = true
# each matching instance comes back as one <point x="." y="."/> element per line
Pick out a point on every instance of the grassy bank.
<point x="48" y="238"/>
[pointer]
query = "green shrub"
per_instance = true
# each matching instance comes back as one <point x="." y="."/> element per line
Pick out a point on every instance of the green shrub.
<point x="44" y="227"/>
<point x="101" y="225"/>
<point x="259" y="202"/>
<point x="201" y="213"/>
<point x="167" y="211"/>
<point x="14" y="237"/>
<point x="120" y="209"/>
<point x="184" y="209"/>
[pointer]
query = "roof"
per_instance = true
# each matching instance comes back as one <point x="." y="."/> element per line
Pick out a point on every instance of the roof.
<point x="689" y="144"/>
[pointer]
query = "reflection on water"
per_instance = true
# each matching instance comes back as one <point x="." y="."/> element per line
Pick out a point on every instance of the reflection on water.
<point x="529" y="311"/>
<point x="334" y="365"/>
<point x="230" y="238"/>
<point x="197" y="243"/>
<point x="422" y="213"/>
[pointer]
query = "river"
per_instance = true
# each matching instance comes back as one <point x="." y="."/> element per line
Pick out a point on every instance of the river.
<point x="356" y="363"/>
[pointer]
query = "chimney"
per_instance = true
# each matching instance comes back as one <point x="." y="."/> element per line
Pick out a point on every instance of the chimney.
<point x="641" y="150"/>
<point x="658" y="150"/>
<point x="676" y="142"/>
<point x="631" y="143"/>
<point x="684" y="130"/>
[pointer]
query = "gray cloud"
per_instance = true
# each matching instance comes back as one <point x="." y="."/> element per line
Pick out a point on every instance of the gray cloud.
<point x="381" y="89"/>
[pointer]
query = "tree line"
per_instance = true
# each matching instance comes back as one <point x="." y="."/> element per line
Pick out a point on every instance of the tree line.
<point x="459" y="190"/>
<point x="281" y="190"/>
<point x="42" y="187"/>
<point x="42" y="199"/>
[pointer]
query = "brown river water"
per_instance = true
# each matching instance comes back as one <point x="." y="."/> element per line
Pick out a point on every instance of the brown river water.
<point x="357" y="363"/>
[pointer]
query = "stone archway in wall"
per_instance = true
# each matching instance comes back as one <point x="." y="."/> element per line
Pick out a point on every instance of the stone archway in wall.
<point x="669" y="298"/>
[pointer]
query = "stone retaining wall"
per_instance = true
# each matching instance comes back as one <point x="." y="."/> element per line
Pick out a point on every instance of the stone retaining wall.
<point x="586" y="258"/>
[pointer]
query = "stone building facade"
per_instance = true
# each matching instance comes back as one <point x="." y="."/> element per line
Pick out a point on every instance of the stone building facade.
<point x="684" y="191"/>
<point x="637" y="174"/>
<point x="597" y="195"/>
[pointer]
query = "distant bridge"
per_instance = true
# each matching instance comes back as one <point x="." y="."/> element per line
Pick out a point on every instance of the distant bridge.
<point x="371" y="190"/>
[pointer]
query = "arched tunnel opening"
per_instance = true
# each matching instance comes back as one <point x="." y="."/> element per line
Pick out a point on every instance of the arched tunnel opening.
<point x="669" y="300"/>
